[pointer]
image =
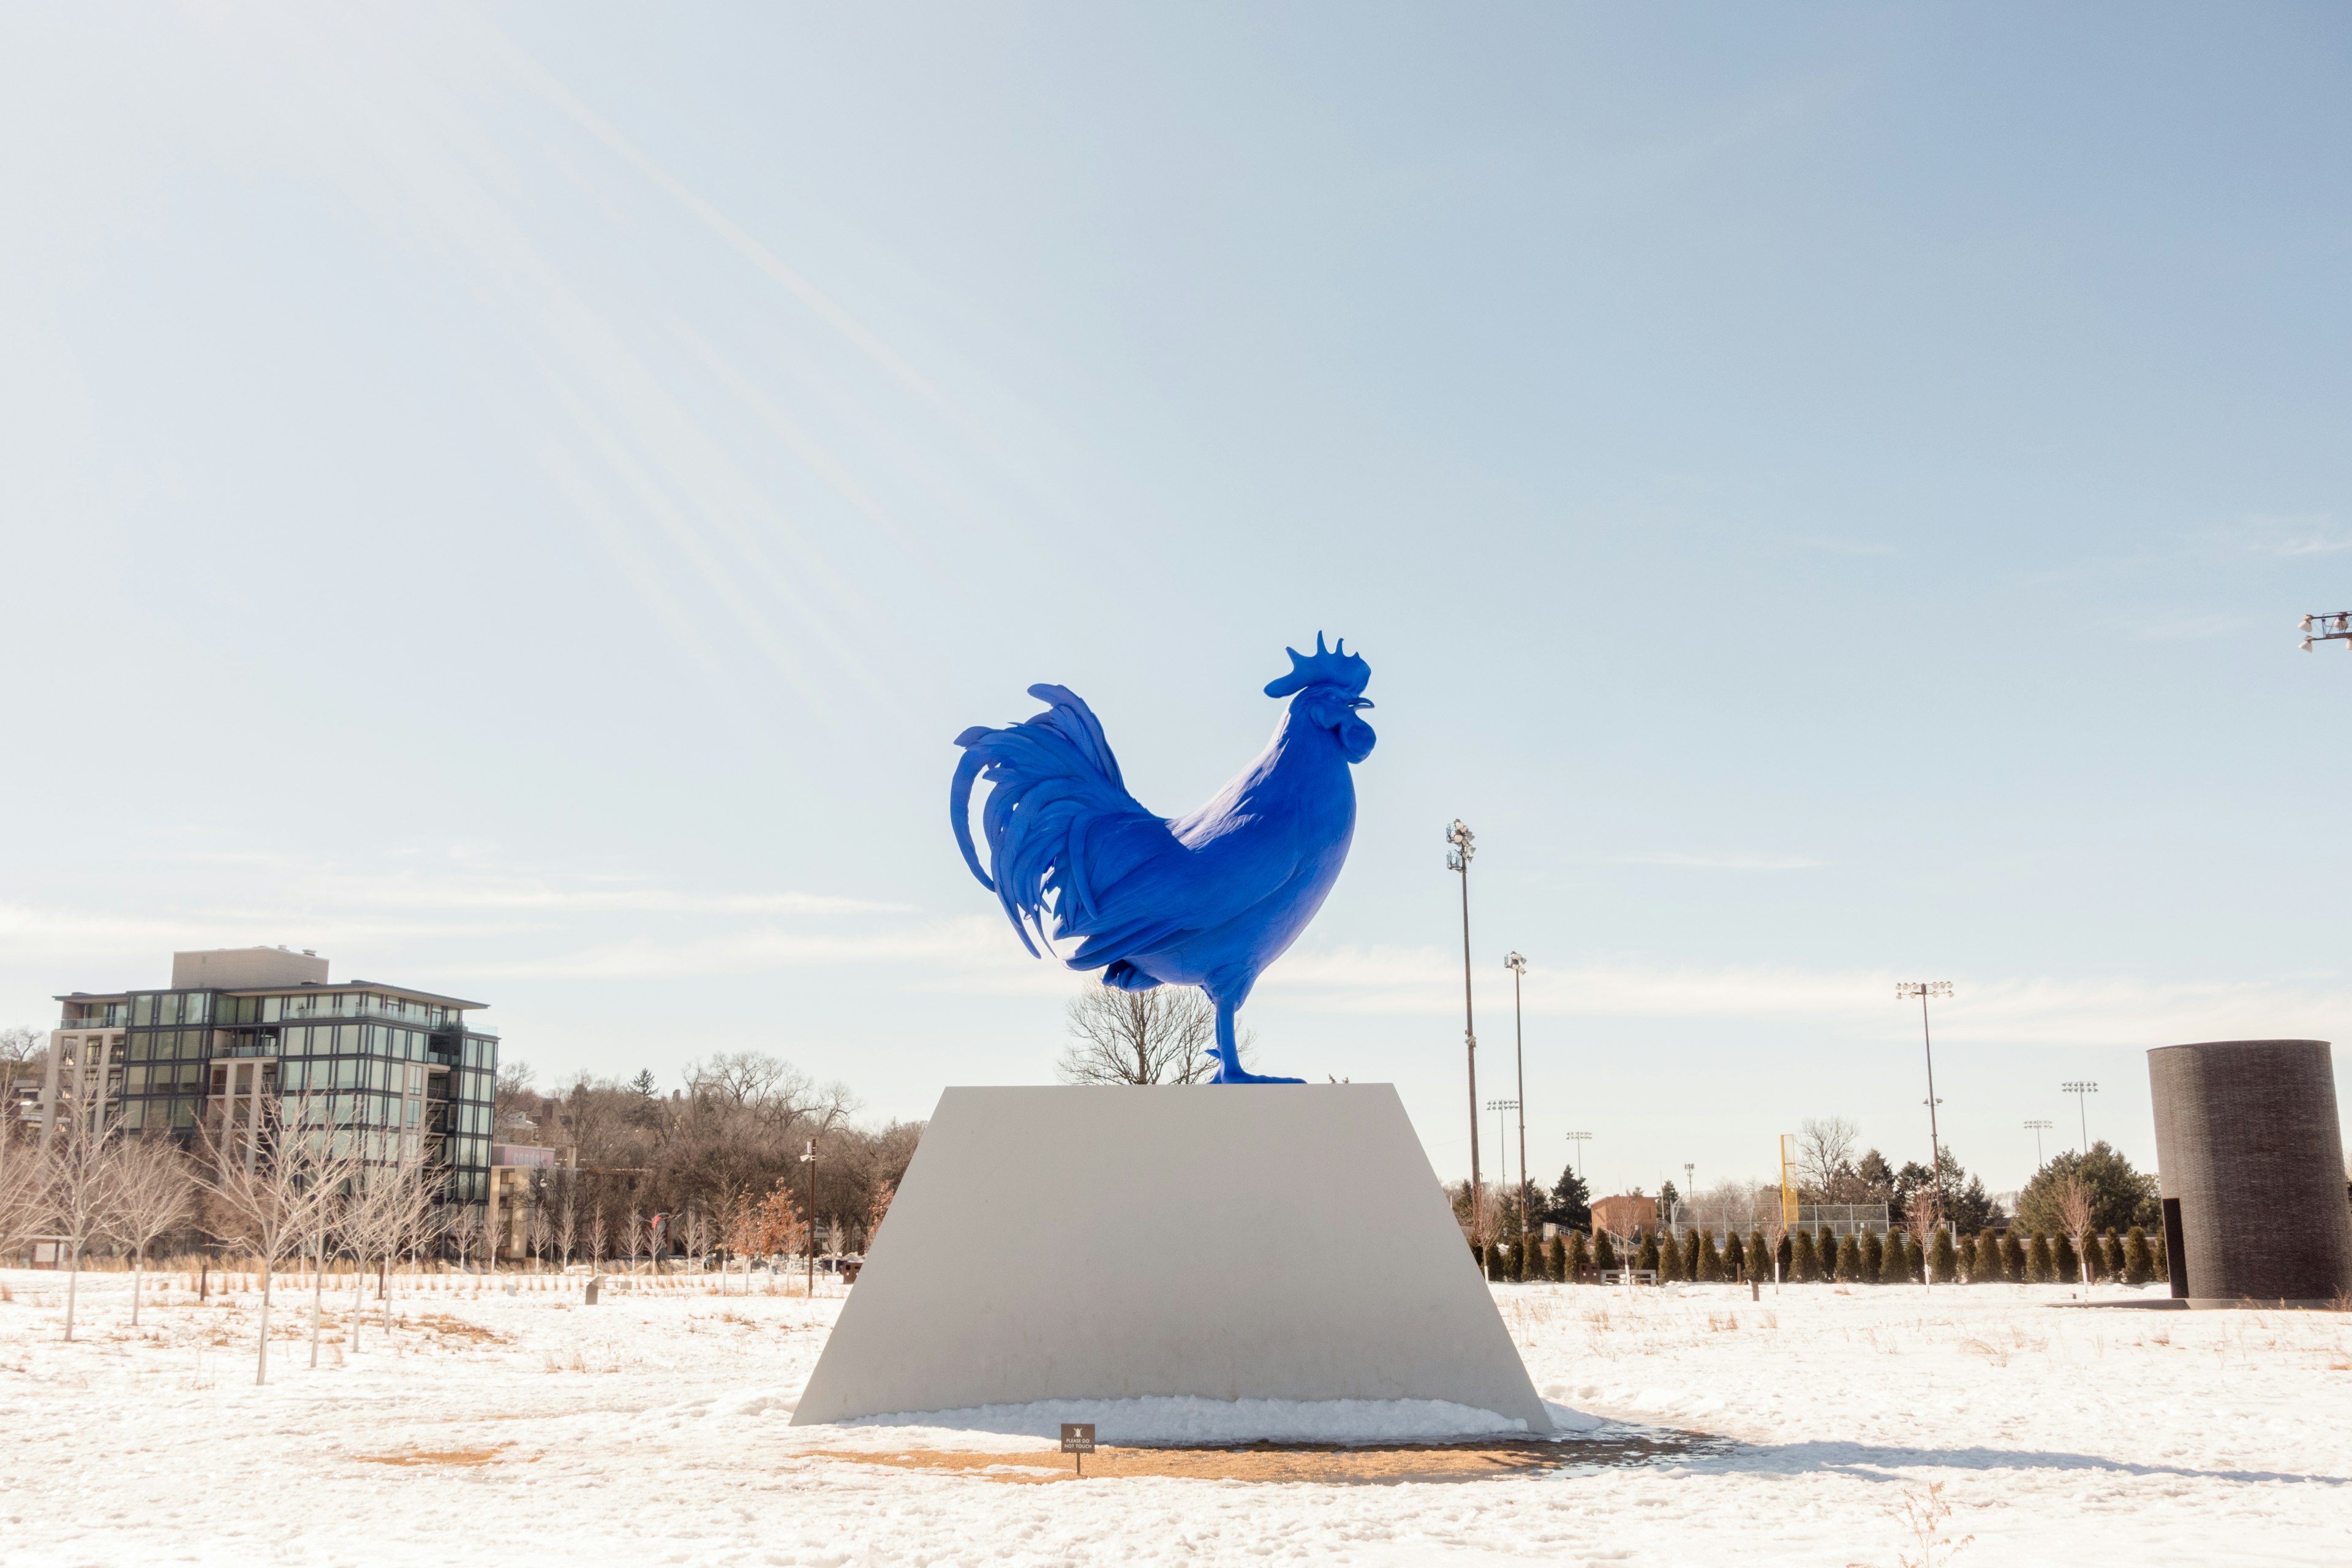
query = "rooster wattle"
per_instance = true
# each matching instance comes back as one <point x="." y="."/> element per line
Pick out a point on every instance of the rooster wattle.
<point x="1206" y="900"/>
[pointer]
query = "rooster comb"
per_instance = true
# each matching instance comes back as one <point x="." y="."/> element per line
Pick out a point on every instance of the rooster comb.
<point x="1332" y="666"/>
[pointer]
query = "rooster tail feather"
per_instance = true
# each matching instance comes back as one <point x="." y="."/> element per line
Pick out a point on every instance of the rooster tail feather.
<point x="967" y="774"/>
<point x="1053" y="782"/>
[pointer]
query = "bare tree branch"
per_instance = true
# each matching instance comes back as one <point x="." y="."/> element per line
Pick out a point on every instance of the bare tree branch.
<point x="1825" y="1153"/>
<point x="1161" y="1036"/>
<point x="153" y="1192"/>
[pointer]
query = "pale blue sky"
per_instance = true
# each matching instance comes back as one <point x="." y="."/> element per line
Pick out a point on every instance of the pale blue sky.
<point x="520" y="499"/>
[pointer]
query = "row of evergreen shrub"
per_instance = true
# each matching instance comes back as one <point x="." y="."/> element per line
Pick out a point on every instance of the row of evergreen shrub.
<point x="1804" y="1255"/>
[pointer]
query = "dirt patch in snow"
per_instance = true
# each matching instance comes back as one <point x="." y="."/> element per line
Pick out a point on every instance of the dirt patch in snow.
<point x="1312" y="1463"/>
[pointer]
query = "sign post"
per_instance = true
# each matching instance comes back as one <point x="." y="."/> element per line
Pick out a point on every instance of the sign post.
<point x="1078" y="1438"/>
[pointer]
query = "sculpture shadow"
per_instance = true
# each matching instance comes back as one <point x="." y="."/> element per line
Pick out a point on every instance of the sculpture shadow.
<point x="1874" y="1462"/>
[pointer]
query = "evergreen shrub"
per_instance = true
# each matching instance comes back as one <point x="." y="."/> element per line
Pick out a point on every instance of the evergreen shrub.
<point x="1646" y="1254"/>
<point x="1574" y="1257"/>
<point x="1942" y="1256"/>
<point x="2070" y="1267"/>
<point x="1735" y="1256"/>
<point x="1710" y="1266"/>
<point x="1604" y="1251"/>
<point x="2012" y="1257"/>
<point x="1849" y="1259"/>
<point x="2040" y="1264"/>
<point x="1894" y="1268"/>
<point x="1874" y="1257"/>
<point x="2138" y="1267"/>
<point x="1801" y="1256"/>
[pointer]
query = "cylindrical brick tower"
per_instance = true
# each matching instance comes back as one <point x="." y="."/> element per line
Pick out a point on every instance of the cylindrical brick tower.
<point x="2249" y="1162"/>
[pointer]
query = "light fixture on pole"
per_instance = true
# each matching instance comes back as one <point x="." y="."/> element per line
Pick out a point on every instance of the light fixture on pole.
<point x="2333" y="627"/>
<point x="1923" y="989"/>
<point x="2078" y="1088"/>
<point x="1518" y="968"/>
<point x="2038" y="1129"/>
<point x="1462" y="844"/>
<point x="1503" y="1147"/>
<point x="1580" y="1140"/>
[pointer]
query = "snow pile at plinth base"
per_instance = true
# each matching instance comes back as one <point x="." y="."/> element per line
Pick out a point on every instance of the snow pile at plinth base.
<point x="1170" y="1419"/>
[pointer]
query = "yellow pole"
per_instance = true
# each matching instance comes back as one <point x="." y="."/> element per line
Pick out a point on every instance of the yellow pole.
<point x="1788" y="1179"/>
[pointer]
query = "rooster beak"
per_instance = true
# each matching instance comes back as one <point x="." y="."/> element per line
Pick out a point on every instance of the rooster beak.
<point x="1360" y="703"/>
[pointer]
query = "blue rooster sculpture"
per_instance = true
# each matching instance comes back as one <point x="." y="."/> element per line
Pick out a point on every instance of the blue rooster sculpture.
<point x="1206" y="900"/>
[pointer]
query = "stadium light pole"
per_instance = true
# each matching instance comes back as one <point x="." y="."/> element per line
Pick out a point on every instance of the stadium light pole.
<point x="1461" y="844"/>
<point x="1923" y="989"/>
<point x="1503" y="1148"/>
<point x="1518" y="968"/>
<point x="2335" y="626"/>
<point x="2038" y="1129"/>
<point x="2079" y="1089"/>
<point x="1580" y="1138"/>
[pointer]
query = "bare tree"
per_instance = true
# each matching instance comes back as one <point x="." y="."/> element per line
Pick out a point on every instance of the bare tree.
<point x="539" y="1226"/>
<point x="1776" y="1230"/>
<point x="461" y="1225"/>
<point x="270" y="1204"/>
<point x="1825" y="1152"/>
<point x="21" y="1046"/>
<point x="153" y="1191"/>
<point x="24" y="1177"/>
<point x="881" y="1209"/>
<point x="1161" y="1036"/>
<point x="2076" y="1206"/>
<point x="782" y="1227"/>
<point x="596" y="1241"/>
<point x="734" y="1232"/>
<point x="412" y="1224"/>
<point x="695" y="1231"/>
<point x="566" y="1184"/>
<point x="80" y="1167"/>
<point x="636" y="1237"/>
<point x="370" y="1226"/>
<point x="1919" y="1221"/>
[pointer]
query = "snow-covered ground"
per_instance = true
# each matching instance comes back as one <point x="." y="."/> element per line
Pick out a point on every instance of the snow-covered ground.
<point x="653" y="1429"/>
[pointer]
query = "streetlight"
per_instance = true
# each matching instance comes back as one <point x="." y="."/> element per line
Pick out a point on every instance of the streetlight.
<point x="1923" y="989"/>
<point x="2078" y="1088"/>
<point x="1498" y="1107"/>
<point x="1518" y="967"/>
<point x="808" y="1158"/>
<point x="1461" y="845"/>
<point x="2038" y="1129"/>
<point x="2333" y="627"/>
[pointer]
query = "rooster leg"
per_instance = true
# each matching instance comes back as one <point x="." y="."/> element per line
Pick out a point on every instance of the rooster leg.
<point x="1229" y="1055"/>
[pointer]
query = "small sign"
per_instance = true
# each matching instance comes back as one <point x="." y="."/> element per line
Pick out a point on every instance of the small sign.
<point x="1078" y="1438"/>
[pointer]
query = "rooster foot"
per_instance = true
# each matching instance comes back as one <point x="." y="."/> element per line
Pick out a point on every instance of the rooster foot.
<point x="1252" y="1078"/>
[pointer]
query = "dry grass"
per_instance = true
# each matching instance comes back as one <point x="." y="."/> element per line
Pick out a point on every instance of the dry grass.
<point x="450" y="1327"/>
<point x="462" y="1457"/>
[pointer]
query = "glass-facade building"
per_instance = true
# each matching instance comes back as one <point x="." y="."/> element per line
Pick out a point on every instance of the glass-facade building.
<point x="410" y="1071"/>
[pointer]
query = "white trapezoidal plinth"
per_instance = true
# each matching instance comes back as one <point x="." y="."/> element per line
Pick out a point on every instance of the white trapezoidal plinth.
<point x="1226" y="1242"/>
